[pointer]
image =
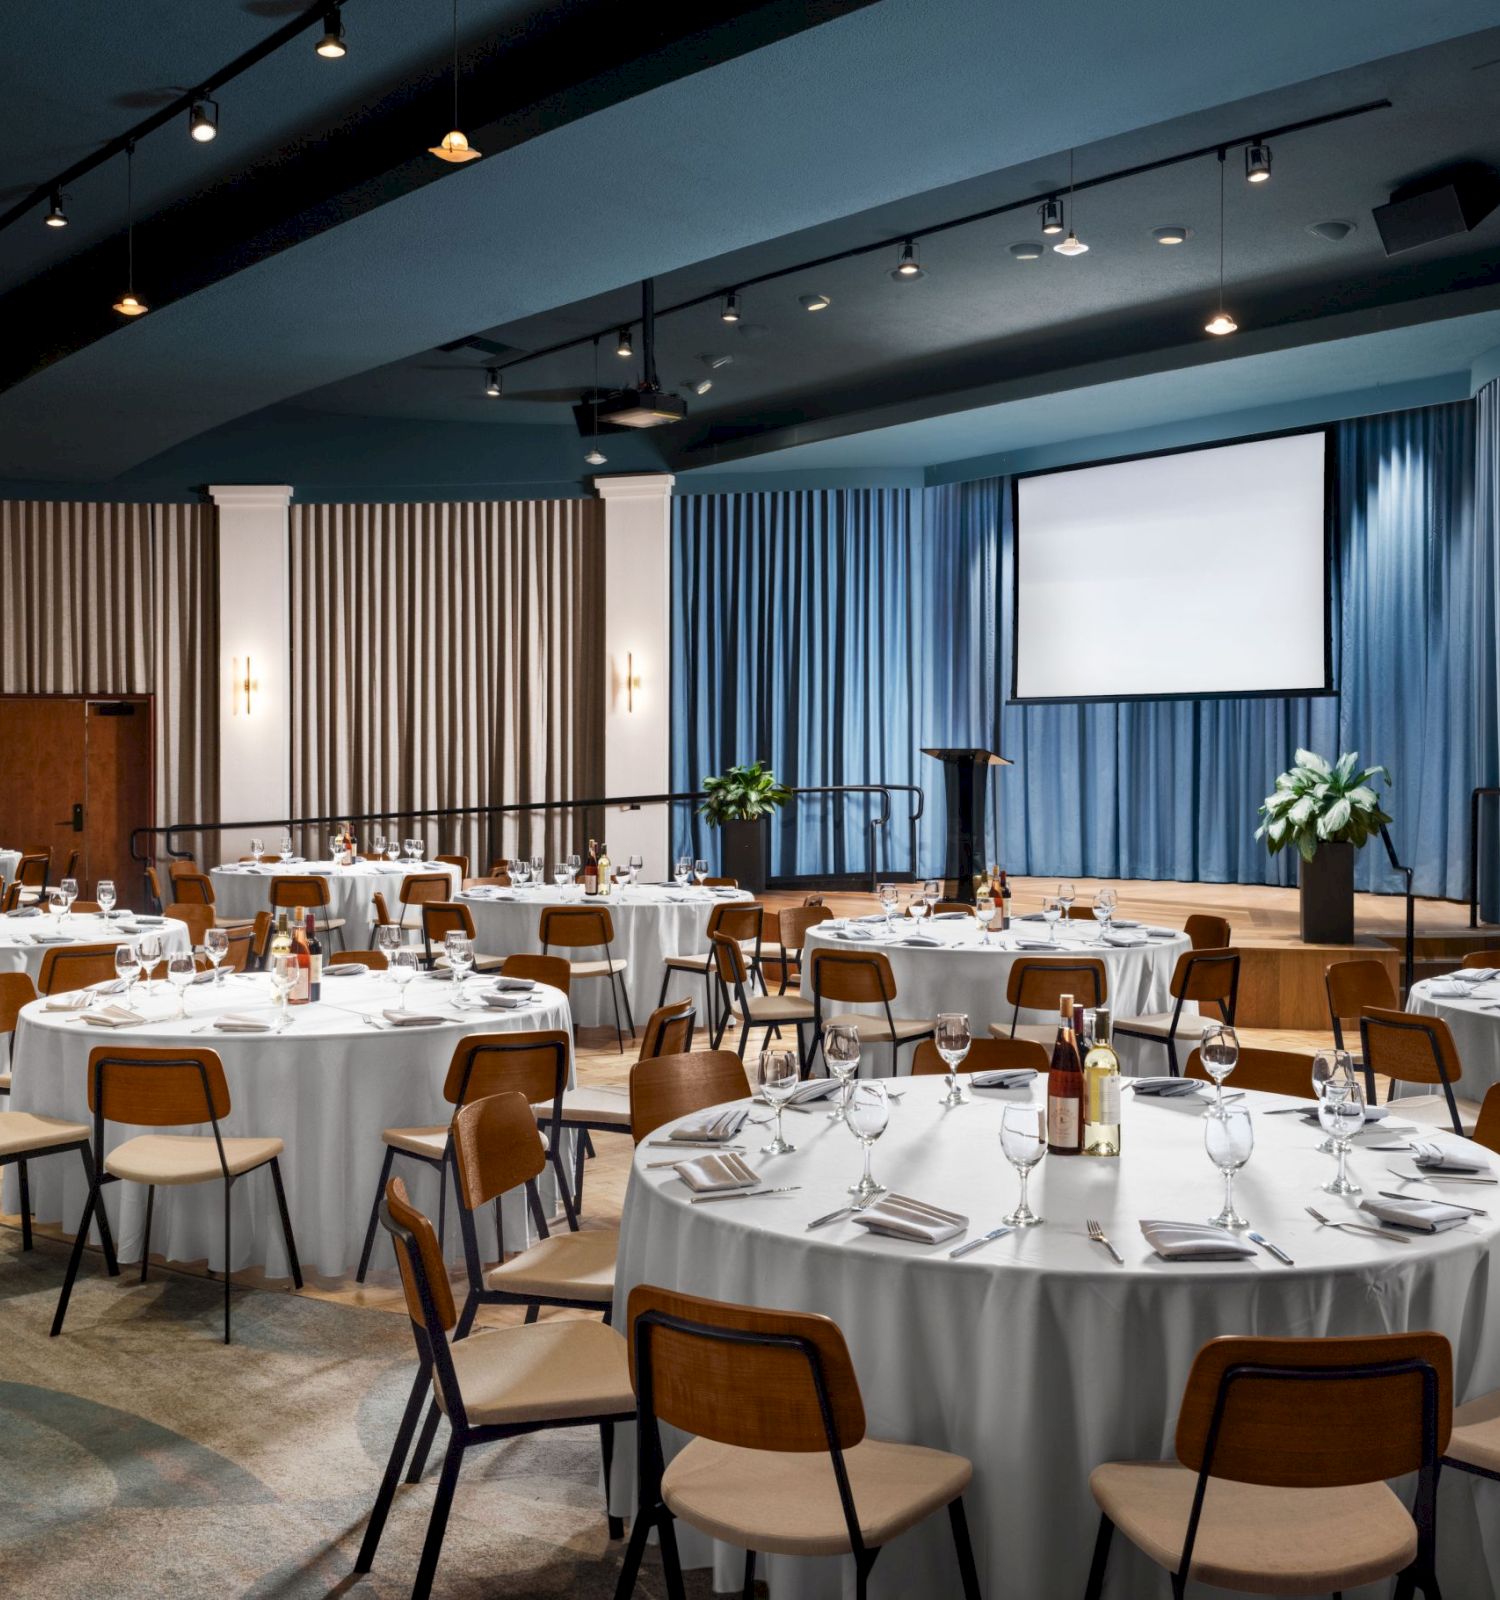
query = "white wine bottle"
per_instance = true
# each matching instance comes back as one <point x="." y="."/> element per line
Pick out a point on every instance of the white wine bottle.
<point x="1101" y="1092"/>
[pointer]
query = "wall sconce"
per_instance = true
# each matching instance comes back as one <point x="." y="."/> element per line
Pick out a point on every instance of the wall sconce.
<point x="632" y="682"/>
<point x="243" y="685"/>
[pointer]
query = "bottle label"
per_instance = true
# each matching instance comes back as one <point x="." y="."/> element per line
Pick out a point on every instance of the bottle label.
<point x="1107" y="1092"/>
<point x="1062" y="1123"/>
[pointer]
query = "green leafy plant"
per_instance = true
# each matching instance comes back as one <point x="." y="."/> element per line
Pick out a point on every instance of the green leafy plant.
<point x="1316" y="803"/>
<point x="742" y="794"/>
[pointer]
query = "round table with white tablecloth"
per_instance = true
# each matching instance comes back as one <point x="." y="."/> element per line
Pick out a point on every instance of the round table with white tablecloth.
<point x="1469" y="1002"/>
<point x="651" y="922"/>
<point x="328" y="1085"/>
<point x="242" y="888"/>
<point x="1036" y="1356"/>
<point x="25" y="939"/>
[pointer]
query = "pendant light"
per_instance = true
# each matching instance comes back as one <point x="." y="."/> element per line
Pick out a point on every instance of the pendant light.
<point x="127" y="305"/>
<point x="455" y="146"/>
<point x="331" y="46"/>
<point x="596" y="457"/>
<point x="1221" y="322"/>
<point x="1072" y="245"/>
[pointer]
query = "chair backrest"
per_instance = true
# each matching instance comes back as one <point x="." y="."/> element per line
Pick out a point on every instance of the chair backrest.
<point x="540" y="969"/>
<point x="193" y="888"/>
<point x="11" y="899"/>
<point x="159" y="895"/>
<point x="496" y="880"/>
<point x="852" y="977"/>
<point x="84" y="908"/>
<point x="32" y="869"/>
<point x="739" y="921"/>
<point x="299" y="889"/>
<point x="793" y="923"/>
<point x="1407" y="1047"/>
<point x="534" y="1064"/>
<point x="500" y="868"/>
<point x="198" y="917"/>
<point x="667" y="1087"/>
<point x="181" y="867"/>
<point x="461" y="862"/>
<point x="1354" y="987"/>
<point x="424" y="1278"/>
<point x="1481" y="958"/>
<point x="417" y="887"/>
<point x="721" y="883"/>
<point x="70" y="866"/>
<point x="1207" y="975"/>
<point x="442" y="917"/>
<point x="985" y="1055"/>
<point x="1207" y="932"/>
<point x="380" y="910"/>
<point x="375" y="960"/>
<point x="577" y="927"/>
<point x="16" y="990"/>
<point x="260" y="937"/>
<point x="1038" y="983"/>
<point x="154" y="1087"/>
<point x="1077" y="913"/>
<point x="669" y="1030"/>
<point x="945" y="906"/>
<point x="241" y="948"/>
<point x="1274" y="1071"/>
<point x="1383" y="1409"/>
<point x="75" y="966"/>
<point x="742" y="1376"/>
<point x="496" y="1147"/>
<point x="1487" y="1128"/>
<point x="729" y="961"/>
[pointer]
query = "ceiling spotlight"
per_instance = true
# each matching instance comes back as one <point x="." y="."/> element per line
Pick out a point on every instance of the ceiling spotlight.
<point x="492" y="383"/>
<point x="1173" y="234"/>
<point x="624" y="349"/>
<point x="1028" y="250"/>
<point x="455" y="147"/>
<point x="1258" y="162"/>
<point x="814" y="302"/>
<point x="1071" y="246"/>
<point x="203" y="121"/>
<point x="1221" y="323"/>
<point x="731" y="308"/>
<point x="331" y="46"/>
<point x="908" y="268"/>
<point x="56" y="216"/>
<point x="596" y="457"/>
<point x="1051" y="213"/>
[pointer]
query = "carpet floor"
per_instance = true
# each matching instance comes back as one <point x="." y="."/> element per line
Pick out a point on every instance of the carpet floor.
<point x="141" y="1459"/>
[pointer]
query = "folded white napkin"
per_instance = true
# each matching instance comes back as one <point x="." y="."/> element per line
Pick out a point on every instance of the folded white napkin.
<point x="725" y="892"/>
<point x="506" y="1002"/>
<point x="874" y="916"/>
<point x="411" y="1019"/>
<point x="1194" y="1241"/>
<point x="1024" y="943"/>
<point x="1002" y="1077"/>
<point x="206" y="976"/>
<point x="899" y="1217"/>
<point x="1472" y="975"/>
<point x="951" y="916"/>
<point x="919" y="939"/>
<point x="1447" y="989"/>
<point x="1161" y="933"/>
<point x="706" y="1174"/>
<point x="51" y="938"/>
<point x="24" y="911"/>
<point x="1123" y="922"/>
<point x="70" y="1000"/>
<point x="1168" y="1088"/>
<point x="238" y="1022"/>
<point x="1433" y="1157"/>
<point x="813" y="1089"/>
<point x="718" y="1126"/>
<point x="853" y="933"/>
<point x="109" y="986"/>
<point x="345" y="969"/>
<point x="113" y="1017"/>
<point x="516" y="985"/>
<point x="1126" y="937"/>
<point x="1420" y="1216"/>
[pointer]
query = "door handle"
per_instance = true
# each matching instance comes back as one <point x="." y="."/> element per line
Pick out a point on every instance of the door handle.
<point x="75" y="822"/>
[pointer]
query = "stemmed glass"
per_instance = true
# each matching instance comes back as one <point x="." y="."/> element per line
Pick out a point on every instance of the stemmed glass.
<point x="1229" y="1137"/>
<point x="681" y="871"/>
<point x="392" y="848"/>
<point x="57" y="905"/>
<point x="562" y="874"/>
<point x="867" y="1113"/>
<point x="105" y="895"/>
<point x="128" y="967"/>
<point x="1341" y="1111"/>
<point x="335" y="848"/>
<point x="413" y="850"/>
<point x="403" y="970"/>
<point x="216" y="947"/>
<point x="916" y="909"/>
<point x="149" y="950"/>
<point x="889" y="900"/>
<point x="257" y="848"/>
<point x="984" y="914"/>
<point x="841" y="1051"/>
<point x="283" y="979"/>
<point x="520" y="874"/>
<point x="1067" y="893"/>
<point x="1330" y="1066"/>
<point x="932" y="892"/>
<point x="776" y="1077"/>
<point x="69" y="887"/>
<point x="700" y="870"/>
<point x="1023" y="1141"/>
<point x="1052" y="910"/>
<point x="459" y="949"/>
<point x="636" y="863"/>
<point x="286" y="844"/>
<point x="575" y="866"/>
<point x="181" y="970"/>
<point x="388" y="939"/>
<point x="538" y="868"/>
<point x="1219" y="1050"/>
<point x="1105" y="902"/>
<point x="952" y="1035"/>
<point x="377" y="847"/>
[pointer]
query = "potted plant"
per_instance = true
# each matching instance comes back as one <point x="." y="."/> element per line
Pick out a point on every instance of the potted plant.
<point x="1328" y="812"/>
<point x="739" y="803"/>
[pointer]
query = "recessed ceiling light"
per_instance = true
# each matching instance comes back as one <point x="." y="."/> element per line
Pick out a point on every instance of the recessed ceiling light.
<point x="713" y="363"/>
<point x="908" y="268"/>
<point x="1173" y="233"/>
<point x="698" y="385"/>
<point x="203" y="121"/>
<point x="331" y="46"/>
<point x="814" y="302"/>
<point x="1334" y="231"/>
<point x="1028" y="250"/>
<point x="1258" y="162"/>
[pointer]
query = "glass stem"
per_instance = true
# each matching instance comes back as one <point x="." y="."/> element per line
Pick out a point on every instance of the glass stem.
<point x="1343" y="1150"/>
<point x="1024" y="1206"/>
<point x="868" y="1180"/>
<point x="1229" y="1191"/>
<point x="778" y="1125"/>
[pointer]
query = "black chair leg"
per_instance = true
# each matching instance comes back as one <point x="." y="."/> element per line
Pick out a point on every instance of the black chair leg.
<point x="671" y="1566"/>
<point x="364" y="1255"/>
<point x="387" y="1492"/>
<point x="424" y="1443"/>
<point x="106" y="1236"/>
<point x="438" y="1523"/>
<point x="564" y="1190"/>
<point x="967" y="1572"/>
<point x="607" y="1452"/>
<point x="625" y="996"/>
<point x="614" y="995"/>
<point x="631" y="1566"/>
<point x="146" y="1241"/>
<point x="286" y="1222"/>
<point x="581" y="1147"/>
<point x="748" y="1588"/>
<point x="1101" y="1559"/>
<point x="25" y="1182"/>
<point x="227" y="1258"/>
<point x="74" y="1258"/>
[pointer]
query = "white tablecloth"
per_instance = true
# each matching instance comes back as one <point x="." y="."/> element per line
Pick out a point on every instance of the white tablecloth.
<point x="651" y="923"/>
<point x="9" y="861"/>
<point x="242" y="890"/>
<point x="1474" y="1023"/>
<point x="1036" y="1356"/>
<point x="20" y="953"/>
<point x="327" y="1086"/>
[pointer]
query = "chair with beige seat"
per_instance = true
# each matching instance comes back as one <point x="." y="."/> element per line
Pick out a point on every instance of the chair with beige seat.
<point x="1355" y="987"/>
<point x="1273" y="1071"/>
<point x="375" y="960"/>
<point x="534" y="1064"/>
<point x="75" y="966"/>
<point x="16" y="990"/>
<point x="1038" y="983"/>
<point x="672" y="1086"/>
<point x="743" y="924"/>
<point x="497" y="1385"/>
<point x="862" y="977"/>
<point x="1407" y="1048"/>
<point x="442" y="917"/>
<point x="1488" y="959"/>
<point x="173" y="1088"/>
<point x="1205" y="977"/>
<point x="1284" y="1447"/>
<point x="1475" y="1445"/>
<point x="459" y="862"/>
<point x="792" y="926"/>
<point x="773" y="1012"/>
<point x="418" y="888"/>
<point x="590" y="928"/>
<point x="27" y="1137"/>
<point x="301" y="892"/>
<point x="779" y="1461"/>
<point x="985" y="1055"/>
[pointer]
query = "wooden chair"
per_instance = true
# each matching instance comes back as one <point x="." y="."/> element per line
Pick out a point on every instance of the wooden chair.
<point x="375" y="960"/>
<point x="241" y="947"/>
<point x="721" y="883"/>
<point x="861" y="977"/>
<point x="553" y="970"/>
<point x="1297" y="1438"/>
<point x="1355" y="987"/>
<point x="85" y="908"/>
<point x="502" y="881"/>
<point x="70" y="866"/>
<point x="1038" y="983"/>
<point x="1209" y="977"/>
<point x="779" y="1460"/>
<point x="11" y="899"/>
<point x="380" y="910"/>
<point x="1475" y="958"/>
<point x="985" y="1055"/>
<point x="945" y="907"/>
<point x="16" y="990"/>
<point x="500" y="869"/>
<point x="419" y="887"/>
<point x="590" y="928"/>
<point x="1407" y="1048"/>
<point x="1207" y="932"/>
<point x="191" y="888"/>
<point x="668" y="1087"/>
<point x="442" y="917"/>
<point x="511" y="1382"/>
<point x="197" y="917"/>
<point x="26" y="1137"/>
<point x="304" y="892"/>
<point x="741" y="923"/>
<point x="172" y="1087"/>
<point x="773" y="1012"/>
<point x="75" y="966"/>
<point x="160" y="895"/>
<point x="1475" y="1444"/>
<point x="791" y="936"/>
<point x="1274" y="1071"/>
<point x="260" y="940"/>
<point x="534" y="1064"/>
<point x="461" y="862"/>
<point x="1487" y="1128"/>
<point x="31" y="876"/>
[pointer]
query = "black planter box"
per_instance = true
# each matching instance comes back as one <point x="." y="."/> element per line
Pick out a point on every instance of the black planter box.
<point x="745" y="853"/>
<point x="1327" y="887"/>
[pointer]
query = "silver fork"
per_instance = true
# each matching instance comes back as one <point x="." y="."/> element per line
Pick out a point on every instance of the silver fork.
<point x="1096" y="1233"/>
<point x="1357" y="1227"/>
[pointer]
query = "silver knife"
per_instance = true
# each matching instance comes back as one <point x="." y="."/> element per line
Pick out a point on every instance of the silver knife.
<point x="1395" y="1194"/>
<point x="744" y="1194"/>
<point x="974" y="1244"/>
<point x="1275" y="1249"/>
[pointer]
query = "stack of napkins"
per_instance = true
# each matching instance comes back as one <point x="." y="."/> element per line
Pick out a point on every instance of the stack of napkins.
<point x="813" y="1089"/>
<point x="238" y="1022"/>
<point x="853" y="933"/>
<point x="1168" y="1088"/>
<point x="1448" y="989"/>
<point x="1162" y="933"/>
<point x="1473" y="975"/>
<point x="1024" y="942"/>
<point x="1195" y="1241"/>
<point x="51" y="938"/>
<point x="516" y="985"/>
<point x="412" y="1019"/>
<point x="113" y="1017"/>
<point x="951" y="916"/>
<point x="711" y="1173"/>
<point x="919" y="938"/>
<point x="899" y="1217"/>
<point x="1419" y="1216"/>
<point x="1002" y="1078"/>
<point x="717" y="1127"/>
<point x="1433" y="1157"/>
<point x="24" y="911"/>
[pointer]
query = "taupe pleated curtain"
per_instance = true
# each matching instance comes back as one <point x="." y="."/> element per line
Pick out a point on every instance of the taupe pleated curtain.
<point x="449" y="655"/>
<point x="120" y="599"/>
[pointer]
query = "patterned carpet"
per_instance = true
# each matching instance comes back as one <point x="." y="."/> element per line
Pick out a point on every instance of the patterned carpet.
<point x="142" y="1460"/>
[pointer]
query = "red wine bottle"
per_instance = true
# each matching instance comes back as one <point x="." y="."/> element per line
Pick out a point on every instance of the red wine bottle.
<point x="1065" y="1088"/>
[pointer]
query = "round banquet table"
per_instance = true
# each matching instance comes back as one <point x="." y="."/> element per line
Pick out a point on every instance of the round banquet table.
<point x="240" y="889"/>
<point x="651" y="921"/>
<point x="25" y="941"/>
<point x="327" y="1086"/>
<point x="1036" y="1356"/>
<point x="1475" y="1025"/>
<point x="961" y="973"/>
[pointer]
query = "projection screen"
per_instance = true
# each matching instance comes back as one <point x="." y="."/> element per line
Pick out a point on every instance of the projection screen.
<point x="1200" y="572"/>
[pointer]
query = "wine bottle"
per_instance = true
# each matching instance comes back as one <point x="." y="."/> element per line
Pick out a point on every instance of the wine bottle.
<point x="315" y="955"/>
<point x="591" y="869"/>
<point x="1101" y="1087"/>
<point x="1065" y="1088"/>
<point x="603" y="868"/>
<point x="281" y="940"/>
<point x="1004" y="901"/>
<point x="302" y="986"/>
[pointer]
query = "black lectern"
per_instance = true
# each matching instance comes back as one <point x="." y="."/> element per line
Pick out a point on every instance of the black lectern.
<point x="967" y="773"/>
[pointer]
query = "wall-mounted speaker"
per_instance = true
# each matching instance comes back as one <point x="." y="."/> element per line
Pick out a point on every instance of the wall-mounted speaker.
<point x="1442" y="206"/>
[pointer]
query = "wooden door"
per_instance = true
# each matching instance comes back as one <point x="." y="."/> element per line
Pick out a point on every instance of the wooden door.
<point x="44" y="741"/>
<point x="117" y="793"/>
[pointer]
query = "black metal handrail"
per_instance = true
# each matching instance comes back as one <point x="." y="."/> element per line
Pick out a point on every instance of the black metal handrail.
<point x="1408" y="873"/>
<point x="1484" y="792"/>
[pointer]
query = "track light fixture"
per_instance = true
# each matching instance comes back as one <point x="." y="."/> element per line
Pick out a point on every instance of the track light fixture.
<point x="623" y="347"/>
<point x="331" y="46"/>
<point x="1072" y="245"/>
<point x="203" y="121"/>
<point x="908" y="269"/>
<point x="1221" y="322"/>
<point x="455" y="146"/>
<point x="1051" y="213"/>
<point x="731" y="308"/>
<point x="56" y="216"/>
<point x="128" y="305"/>
<point x="814" y="302"/>
<point x="1258" y="162"/>
<point x="492" y="385"/>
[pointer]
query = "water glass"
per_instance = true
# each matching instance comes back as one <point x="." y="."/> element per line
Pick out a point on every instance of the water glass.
<point x="1023" y="1142"/>
<point x="952" y="1036"/>
<point x="127" y="968"/>
<point x="286" y="844"/>
<point x="216" y="947"/>
<point x="562" y="874"/>
<point x="1331" y="1066"/>
<point x="257" y="848"/>
<point x="538" y="868"/>
<point x="700" y="870"/>
<point x="1067" y="893"/>
<point x="181" y="970"/>
<point x="459" y="949"/>
<point x="681" y="872"/>
<point x="520" y="874"/>
<point x="635" y="864"/>
<point x="866" y="1115"/>
<point x="776" y="1077"/>
<point x="984" y="914"/>
<point x="1052" y="910"/>
<point x="1341" y="1111"/>
<point x="1219" y="1051"/>
<point x="932" y="892"/>
<point x="413" y="850"/>
<point x="1105" y="902"/>
<point x="916" y="908"/>
<point x="575" y="866"/>
<point x="890" y="899"/>
<point x="57" y="905"/>
<point x="69" y="887"/>
<point x="1229" y="1137"/>
<point x="388" y="937"/>
<point x="283" y="980"/>
<point x="403" y="969"/>
<point x="148" y="948"/>
<point x="105" y="894"/>
<point x="841" y="1052"/>
<point x="377" y="846"/>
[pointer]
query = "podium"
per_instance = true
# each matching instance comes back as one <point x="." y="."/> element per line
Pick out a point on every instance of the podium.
<point x="967" y="774"/>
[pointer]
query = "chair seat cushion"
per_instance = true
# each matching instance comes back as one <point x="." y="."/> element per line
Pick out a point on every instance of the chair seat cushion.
<point x="1255" y="1538"/>
<point x="565" y="1266"/>
<point x="1043" y="1033"/>
<point x="874" y="1030"/>
<point x="788" y="1504"/>
<point x="4" y="1083"/>
<point x="1431" y="1110"/>
<point x="598" y="969"/>
<point x="1158" y="1024"/>
<point x="429" y="1142"/>
<point x="1476" y="1433"/>
<point x="21" y="1131"/>
<point x="545" y="1372"/>
<point x="783" y="1008"/>
<point x="697" y="964"/>
<point x="594" y="1103"/>
<point x="186" y="1158"/>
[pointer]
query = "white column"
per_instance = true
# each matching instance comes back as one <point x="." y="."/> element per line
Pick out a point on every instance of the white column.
<point x="255" y="639"/>
<point x="637" y="651"/>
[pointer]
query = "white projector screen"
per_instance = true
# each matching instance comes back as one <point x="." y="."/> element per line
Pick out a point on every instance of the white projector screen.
<point x="1202" y="572"/>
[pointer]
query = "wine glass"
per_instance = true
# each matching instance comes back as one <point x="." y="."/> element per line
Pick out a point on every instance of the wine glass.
<point x="149" y="950"/>
<point x="890" y="898"/>
<point x="403" y="970"/>
<point x="575" y="866"/>
<point x="538" y="868"/>
<point x="392" y="848"/>
<point x="916" y="909"/>
<point x="1229" y="1137"/>
<point x="520" y="874"/>
<point x="776" y="1077"/>
<point x="283" y="979"/>
<point x="866" y="1114"/>
<point x="459" y="949"/>
<point x="257" y="848"/>
<point x="1219" y="1050"/>
<point x="57" y="905"/>
<point x="105" y="895"/>
<point x="128" y="969"/>
<point x="1023" y="1142"/>
<point x="388" y="938"/>
<point x="377" y="846"/>
<point x="216" y="947"/>
<point x="1341" y="1111"/>
<point x="69" y="888"/>
<point x="635" y="864"/>
<point x="681" y="872"/>
<point x="1105" y="902"/>
<point x="413" y="850"/>
<point x="1067" y="893"/>
<point x="932" y="892"/>
<point x="1330" y="1066"/>
<point x="841" y="1051"/>
<point x="181" y="970"/>
<point x="700" y="871"/>
<point x="984" y="914"/>
<point x="286" y="844"/>
<point x="1052" y="910"/>
<point x="952" y="1035"/>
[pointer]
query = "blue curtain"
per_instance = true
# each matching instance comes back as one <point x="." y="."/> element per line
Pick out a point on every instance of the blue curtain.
<point x="1487" y="635"/>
